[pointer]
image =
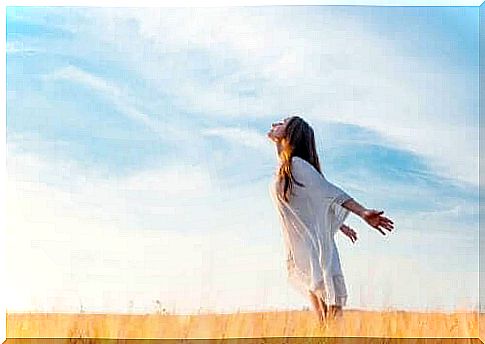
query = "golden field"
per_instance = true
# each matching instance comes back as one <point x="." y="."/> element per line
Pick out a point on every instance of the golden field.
<point x="355" y="323"/>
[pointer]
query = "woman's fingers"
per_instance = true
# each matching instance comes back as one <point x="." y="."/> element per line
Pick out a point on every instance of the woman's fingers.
<point x="380" y="230"/>
<point x="387" y="221"/>
<point x="352" y="235"/>
<point x="387" y="224"/>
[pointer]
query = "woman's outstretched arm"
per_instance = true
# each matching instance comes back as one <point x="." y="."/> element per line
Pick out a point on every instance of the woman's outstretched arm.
<point x="331" y="193"/>
<point x="354" y="207"/>
<point x="373" y="217"/>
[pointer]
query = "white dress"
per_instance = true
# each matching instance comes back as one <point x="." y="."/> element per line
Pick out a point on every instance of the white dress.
<point x="309" y="222"/>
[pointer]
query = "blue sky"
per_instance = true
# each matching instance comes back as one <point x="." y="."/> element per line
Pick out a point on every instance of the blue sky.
<point x="138" y="166"/>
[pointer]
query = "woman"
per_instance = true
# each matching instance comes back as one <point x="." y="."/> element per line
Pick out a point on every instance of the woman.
<point x="311" y="210"/>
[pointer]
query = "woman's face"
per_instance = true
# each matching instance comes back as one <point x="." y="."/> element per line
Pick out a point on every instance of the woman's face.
<point x="277" y="131"/>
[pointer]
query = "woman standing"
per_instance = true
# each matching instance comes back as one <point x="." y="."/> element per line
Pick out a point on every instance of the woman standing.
<point x="311" y="210"/>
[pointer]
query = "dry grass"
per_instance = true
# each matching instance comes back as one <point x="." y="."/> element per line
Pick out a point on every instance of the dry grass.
<point x="396" y="324"/>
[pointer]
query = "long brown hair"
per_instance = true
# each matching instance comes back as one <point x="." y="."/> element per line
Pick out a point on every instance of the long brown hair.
<point x="298" y="140"/>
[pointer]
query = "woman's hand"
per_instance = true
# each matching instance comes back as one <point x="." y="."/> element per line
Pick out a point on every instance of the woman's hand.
<point x="349" y="232"/>
<point x="375" y="219"/>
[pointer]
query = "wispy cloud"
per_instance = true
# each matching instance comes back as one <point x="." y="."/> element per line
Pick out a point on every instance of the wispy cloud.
<point x="119" y="98"/>
<point x="18" y="47"/>
<point x="245" y="137"/>
<point x="325" y="78"/>
<point x="367" y="83"/>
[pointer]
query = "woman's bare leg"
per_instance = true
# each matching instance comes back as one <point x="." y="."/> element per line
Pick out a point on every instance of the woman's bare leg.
<point x="336" y="311"/>
<point x="323" y="307"/>
<point x="316" y="306"/>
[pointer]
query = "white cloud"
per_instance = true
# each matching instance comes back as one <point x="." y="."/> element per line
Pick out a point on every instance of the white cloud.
<point x="246" y="137"/>
<point x="77" y="243"/>
<point x="345" y="74"/>
<point x="103" y="193"/>
<point x="89" y="241"/>
<point x="362" y="80"/>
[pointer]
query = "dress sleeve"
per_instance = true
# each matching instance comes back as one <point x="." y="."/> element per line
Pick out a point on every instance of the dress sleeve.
<point x="330" y="196"/>
<point x="317" y="183"/>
